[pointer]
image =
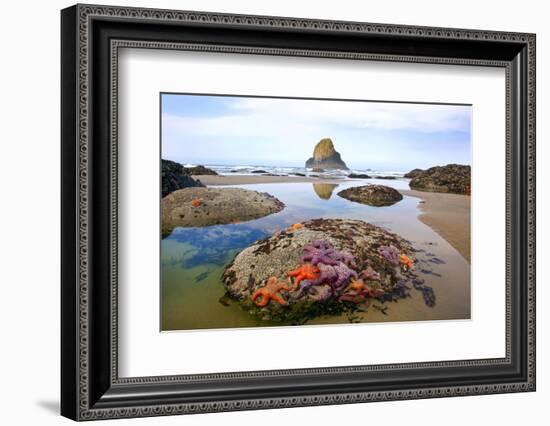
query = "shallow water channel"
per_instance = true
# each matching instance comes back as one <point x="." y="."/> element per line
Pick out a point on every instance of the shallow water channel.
<point x="193" y="259"/>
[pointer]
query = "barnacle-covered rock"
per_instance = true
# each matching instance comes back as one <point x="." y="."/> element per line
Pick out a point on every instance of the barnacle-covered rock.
<point x="326" y="262"/>
<point x="191" y="207"/>
<point x="373" y="195"/>
<point x="454" y="178"/>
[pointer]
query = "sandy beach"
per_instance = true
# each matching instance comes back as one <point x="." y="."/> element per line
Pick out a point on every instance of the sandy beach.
<point x="257" y="179"/>
<point x="448" y="215"/>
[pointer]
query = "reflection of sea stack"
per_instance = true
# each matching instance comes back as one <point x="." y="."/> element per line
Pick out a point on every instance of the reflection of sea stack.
<point x="324" y="190"/>
<point x="325" y="157"/>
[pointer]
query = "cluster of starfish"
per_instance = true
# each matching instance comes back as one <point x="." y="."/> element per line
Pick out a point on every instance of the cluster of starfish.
<point x="336" y="277"/>
<point x="325" y="266"/>
<point x="328" y="273"/>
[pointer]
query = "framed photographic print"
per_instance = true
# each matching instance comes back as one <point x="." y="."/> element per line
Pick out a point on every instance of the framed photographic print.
<point x="263" y="212"/>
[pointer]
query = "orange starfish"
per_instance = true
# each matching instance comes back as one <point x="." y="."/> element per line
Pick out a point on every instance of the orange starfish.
<point x="196" y="202"/>
<point x="263" y="295"/>
<point x="406" y="261"/>
<point x="305" y="271"/>
<point x="357" y="286"/>
<point x="295" y="227"/>
<point x="358" y="289"/>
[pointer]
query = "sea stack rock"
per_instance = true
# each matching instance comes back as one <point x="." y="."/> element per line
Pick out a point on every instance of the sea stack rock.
<point x="325" y="157"/>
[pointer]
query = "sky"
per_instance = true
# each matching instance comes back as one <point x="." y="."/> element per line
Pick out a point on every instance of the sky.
<point x="229" y="130"/>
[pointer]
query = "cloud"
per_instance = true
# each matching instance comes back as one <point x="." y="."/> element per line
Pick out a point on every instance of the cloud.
<point x="282" y="129"/>
<point x="389" y="116"/>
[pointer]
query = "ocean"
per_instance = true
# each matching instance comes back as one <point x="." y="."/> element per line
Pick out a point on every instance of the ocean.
<point x="293" y="171"/>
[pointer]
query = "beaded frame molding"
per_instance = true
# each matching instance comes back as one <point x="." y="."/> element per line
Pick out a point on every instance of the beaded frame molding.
<point x="91" y="38"/>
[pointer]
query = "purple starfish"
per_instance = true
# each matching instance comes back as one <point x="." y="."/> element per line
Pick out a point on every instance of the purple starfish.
<point x="346" y="258"/>
<point x="320" y="293"/>
<point x="370" y="274"/>
<point x="345" y="274"/>
<point x="327" y="275"/>
<point x="336" y="276"/>
<point x="391" y="254"/>
<point x="320" y="251"/>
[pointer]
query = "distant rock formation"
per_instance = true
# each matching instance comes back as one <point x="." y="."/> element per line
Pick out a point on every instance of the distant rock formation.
<point x="413" y="173"/>
<point x="454" y="178"/>
<point x="198" y="170"/>
<point x="325" y="157"/>
<point x="174" y="178"/>
<point x="358" y="176"/>
<point x="372" y="195"/>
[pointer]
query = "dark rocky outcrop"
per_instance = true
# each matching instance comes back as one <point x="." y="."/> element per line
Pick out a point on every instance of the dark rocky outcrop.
<point x="198" y="170"/>
<point x="453" y="178"/>
<point x="174" y="178"/>
<point x="191" y="207"/>
<point x="358" y="176"/>
<point x="372" y="195"/>
<point x="325" y="157"/>
<point x="258" y="171"/>
<point x="413" y="173"/>
<point x="386" y="177"/>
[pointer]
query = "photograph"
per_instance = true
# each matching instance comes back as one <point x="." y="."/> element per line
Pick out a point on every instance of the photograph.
<point x="300" y="212"/>
<point x="263" y="182"/>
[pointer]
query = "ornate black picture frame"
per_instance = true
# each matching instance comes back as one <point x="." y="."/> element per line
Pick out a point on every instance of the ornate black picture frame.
<point x="91" y="36"/>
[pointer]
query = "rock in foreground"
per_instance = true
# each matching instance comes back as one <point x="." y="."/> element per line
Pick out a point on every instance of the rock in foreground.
<point x="215" y="206"/>
<point x="325" y="157"/>
<point x="453" y="178"/>
<point x="321" y="266"/>
<point x="372" y="195"/>
<point x="174" y="178"/>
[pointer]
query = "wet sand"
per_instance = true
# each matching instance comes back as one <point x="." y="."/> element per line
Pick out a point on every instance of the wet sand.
<point x="257" y="179"/>
<point x="448" y="215"/>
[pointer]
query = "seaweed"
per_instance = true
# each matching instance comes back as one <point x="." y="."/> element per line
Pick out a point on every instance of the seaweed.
<point x="202" y="277"/>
